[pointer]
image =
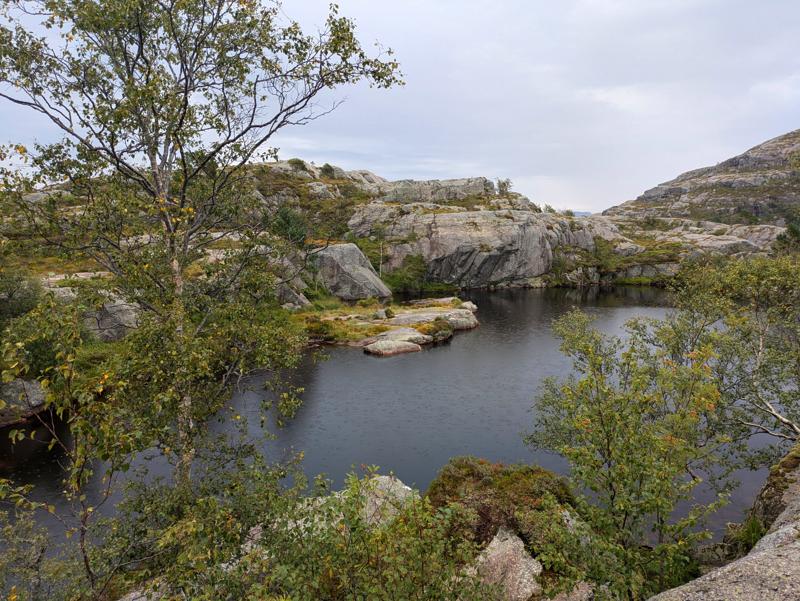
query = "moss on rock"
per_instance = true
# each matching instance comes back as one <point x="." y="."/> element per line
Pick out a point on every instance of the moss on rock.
<point x="496" y="494"/>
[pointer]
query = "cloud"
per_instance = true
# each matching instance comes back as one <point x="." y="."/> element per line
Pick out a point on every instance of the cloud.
<point x="582" y="103"/>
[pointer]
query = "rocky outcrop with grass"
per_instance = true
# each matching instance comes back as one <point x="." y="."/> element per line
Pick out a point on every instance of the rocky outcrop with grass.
<point x="761" y="185"/>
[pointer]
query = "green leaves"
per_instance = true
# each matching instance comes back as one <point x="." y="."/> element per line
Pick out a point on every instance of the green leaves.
<point x="637" y="427"/>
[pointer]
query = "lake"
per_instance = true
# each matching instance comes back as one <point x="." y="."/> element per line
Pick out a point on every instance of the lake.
<point x="409" y="414"/>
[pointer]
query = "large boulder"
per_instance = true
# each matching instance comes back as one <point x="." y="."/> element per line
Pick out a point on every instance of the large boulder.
<point x="505" y="563"/>
<point x="346" y="273"/>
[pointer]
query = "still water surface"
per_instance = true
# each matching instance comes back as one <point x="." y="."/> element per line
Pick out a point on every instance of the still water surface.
<point x="411" y="413"/>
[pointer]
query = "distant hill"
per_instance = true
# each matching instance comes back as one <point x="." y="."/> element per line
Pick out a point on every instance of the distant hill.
<point x="761" y="185"/>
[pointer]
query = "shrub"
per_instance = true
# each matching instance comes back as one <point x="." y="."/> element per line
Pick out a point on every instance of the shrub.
<point x="440" y="329"/>
<point x="290" y="225"/>
<point x="18" y="295"/>
<point x="410" y="278"/>
<point x="503" y="187"/>
<point x="494" y="494"/>
<point x="328" y="549"/>
<point x="298" y="164"/>
<point x="327" y="171"/>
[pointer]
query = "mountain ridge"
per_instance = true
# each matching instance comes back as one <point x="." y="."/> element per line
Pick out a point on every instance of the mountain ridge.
<point x="760" y="185"/>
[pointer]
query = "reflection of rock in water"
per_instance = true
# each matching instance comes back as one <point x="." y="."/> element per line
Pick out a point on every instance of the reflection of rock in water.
<point x="616" y="296"/>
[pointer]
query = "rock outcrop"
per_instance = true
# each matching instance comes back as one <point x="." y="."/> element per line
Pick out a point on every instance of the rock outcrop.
<point x="771" y="570"/>
<point x="505" y="563"/>
<point x="389" y="348"/>
<point x="23" y="399"/>
<point x="113" y="320"/>
<point x="761" y="185"/>
<point x="436" y="319"/>
<point x="346" y="273"/>
<point x="473" y="249"/>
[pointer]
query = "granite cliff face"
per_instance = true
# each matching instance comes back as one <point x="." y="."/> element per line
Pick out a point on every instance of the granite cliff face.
<point x="761" y="185"/>
<point x="469" y="234"/>
<point x="477" y="248"/>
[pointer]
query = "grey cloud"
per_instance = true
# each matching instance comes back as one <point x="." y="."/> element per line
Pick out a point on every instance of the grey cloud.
<point x="583" y="104"/>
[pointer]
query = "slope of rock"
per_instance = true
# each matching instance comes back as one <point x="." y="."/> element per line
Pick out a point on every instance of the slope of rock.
<point x="771" y="570"/>
<point x="346" y="273"/>
<point x="761" y="185"/>
<point x="478" y="248"/>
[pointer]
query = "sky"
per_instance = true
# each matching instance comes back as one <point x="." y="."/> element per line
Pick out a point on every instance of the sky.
<point x="583" y="104"/>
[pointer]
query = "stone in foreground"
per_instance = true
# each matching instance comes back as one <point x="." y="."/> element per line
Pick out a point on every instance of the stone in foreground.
<point x="506" y="563"/>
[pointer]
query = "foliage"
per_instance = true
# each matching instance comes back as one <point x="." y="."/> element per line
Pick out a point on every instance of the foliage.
<point x="788" y="241"/>
<point x="27" y="573"/>
<point x="743" y="537"/>
<point x="326" y="548"/>
<point x="160" y="120"/>
<point x="493" y="494"/>
<point x="336" y="330"/>
<point x="748" y="310"/>
<point x="411" y="278"/>
<point x="18" y="295"/>
<point x="298" y="164"/>
<point x="327" y="171"/>
<point x="638" y="429"/>
<point x="504" y="187"/>
<point x="440" y="329"/>
<point x="291" y="226"/>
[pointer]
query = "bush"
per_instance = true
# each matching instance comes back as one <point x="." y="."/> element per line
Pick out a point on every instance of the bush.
<point x="327" y="171"/>
<point x="18" y="295"/>
<point x="298" y="164"/>
<point x="494" y="494"/>
<point x="440" y="329"/>
<point x="290" y="225"/>
<point x="410" y="278"/>
<point x="327" y="549"/>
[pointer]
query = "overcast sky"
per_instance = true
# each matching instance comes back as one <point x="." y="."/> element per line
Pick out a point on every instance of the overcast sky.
<point x="582" y="103"/>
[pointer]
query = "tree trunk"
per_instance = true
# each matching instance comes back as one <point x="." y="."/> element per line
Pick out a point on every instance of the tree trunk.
<point x="185" y="423"/>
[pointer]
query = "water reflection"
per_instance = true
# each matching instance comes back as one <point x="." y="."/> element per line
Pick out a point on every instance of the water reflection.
<point x="410" y="414"/>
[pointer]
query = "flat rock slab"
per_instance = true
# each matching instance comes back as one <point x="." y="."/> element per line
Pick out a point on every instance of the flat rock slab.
<point x="405" y="335"/>
<point x="459" y="319"/>
<point x="389" y="348"/>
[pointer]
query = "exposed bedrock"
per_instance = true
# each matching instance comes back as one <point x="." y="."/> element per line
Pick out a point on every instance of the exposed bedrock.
<point x="478" y="248"/>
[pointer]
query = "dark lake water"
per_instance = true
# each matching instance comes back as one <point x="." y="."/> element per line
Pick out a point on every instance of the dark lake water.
<point x="411" y="413"/>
